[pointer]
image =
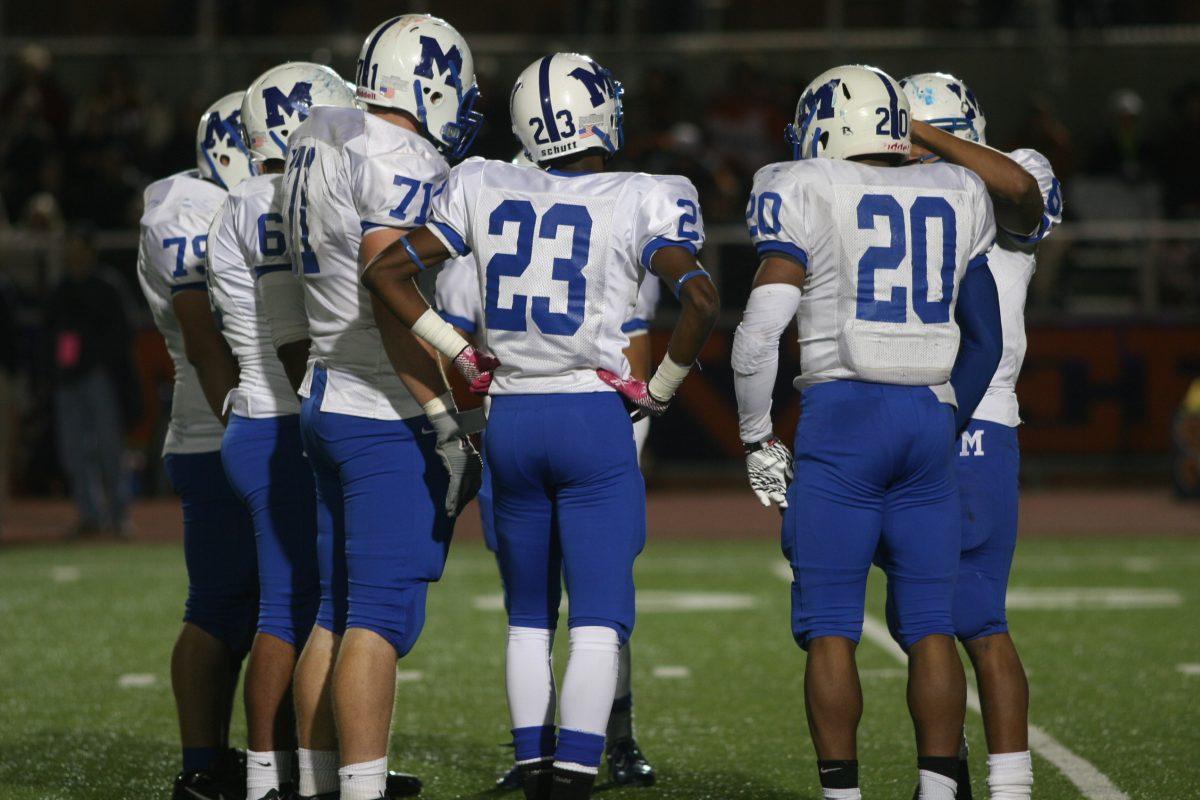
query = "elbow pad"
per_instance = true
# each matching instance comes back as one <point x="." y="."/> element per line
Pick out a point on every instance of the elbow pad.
<point x="768" y="312"/>
<point x="282" y="299"/>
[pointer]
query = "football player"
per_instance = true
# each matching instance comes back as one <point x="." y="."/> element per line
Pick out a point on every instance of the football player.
<point x="392" y="465"/>
<point x="884" y="267"/>
<point x="560" y="253"/>
<point x="948" y="125"/>
<point x="457" y="300"/>
<point x="261" y="449"/>
<point x="218" y="538"/>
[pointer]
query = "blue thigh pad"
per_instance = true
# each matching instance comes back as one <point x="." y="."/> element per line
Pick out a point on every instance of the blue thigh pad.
<point x="218" y="548"/>
<point x="265" y="462"/>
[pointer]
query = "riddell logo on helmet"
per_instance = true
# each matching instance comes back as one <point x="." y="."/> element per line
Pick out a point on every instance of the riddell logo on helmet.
<point x="895" y="147"/>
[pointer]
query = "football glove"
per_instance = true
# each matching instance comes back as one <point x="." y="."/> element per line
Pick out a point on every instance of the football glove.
<point x="637" y="395"/>
<point x="769" y="467"/>
<point x="476" y="366"/>
<point x="460" y="459"/>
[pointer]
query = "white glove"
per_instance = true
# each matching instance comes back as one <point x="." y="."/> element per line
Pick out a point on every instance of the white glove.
<point x="769" y="467"/>
<point x="461" y="460"/>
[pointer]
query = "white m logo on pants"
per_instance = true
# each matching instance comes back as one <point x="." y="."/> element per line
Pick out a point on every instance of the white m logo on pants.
<point x="972" y="443"/>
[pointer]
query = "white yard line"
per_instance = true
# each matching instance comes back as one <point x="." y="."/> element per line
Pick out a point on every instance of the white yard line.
<point x="136" y="680"/>
<point x="1188" y="669"/>
<point x="672" y="672"/>
<point x="1091" y="782"/>
<point x="409" y="675"/>
<point x="65" y="574"/>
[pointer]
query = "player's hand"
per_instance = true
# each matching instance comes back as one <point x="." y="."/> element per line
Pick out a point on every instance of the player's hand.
<point x="461" y="460"/>
<point x="769" y="467"/>
<point x="477" y="367"/>
<point x="637" y="395"/>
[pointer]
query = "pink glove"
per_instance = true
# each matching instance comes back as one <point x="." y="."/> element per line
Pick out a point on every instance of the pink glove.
<point x="636" y="394"/>
<point x="476" y="367"/>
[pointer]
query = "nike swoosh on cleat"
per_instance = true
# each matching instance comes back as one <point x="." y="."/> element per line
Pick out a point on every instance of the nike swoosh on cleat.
<point x="427" y="431"/>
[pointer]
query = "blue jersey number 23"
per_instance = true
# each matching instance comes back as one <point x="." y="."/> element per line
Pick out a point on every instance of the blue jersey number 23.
<point x="568" y="270"/>
<point x="895" y="308"/>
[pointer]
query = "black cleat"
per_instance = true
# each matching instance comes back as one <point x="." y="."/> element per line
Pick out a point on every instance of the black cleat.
<point x="627" y="766"/>
<point x="401" y="784"/>
<point x="536" y="779"/>
<point x="568" y="785"/>
<point x="509" y="781"/>
<point x="204" y="785"/>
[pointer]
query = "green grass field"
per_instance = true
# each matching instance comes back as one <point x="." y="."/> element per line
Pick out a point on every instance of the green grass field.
<point x="727" y="722"/>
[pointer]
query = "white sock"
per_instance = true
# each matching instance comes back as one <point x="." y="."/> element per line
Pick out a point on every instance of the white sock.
<point x="268" y="770"/>
<point x="591" y="679"/>
<point x="842" y="794"/>
<point x="365" y="781"/>
<point x="936" y="787"/>
<point x="318" y="771"/>
<point x="1010" y="776"/>
<point x="529" y="677"/>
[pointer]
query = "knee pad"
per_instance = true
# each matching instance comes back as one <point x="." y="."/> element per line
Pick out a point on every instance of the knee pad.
<point x="396" y="614"/>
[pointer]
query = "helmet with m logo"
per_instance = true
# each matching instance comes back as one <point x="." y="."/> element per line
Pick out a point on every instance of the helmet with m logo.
<point x="851" y="111"/>
<point x="420" y="64"/>
<point x="221" y="155"/>
<point x="279" y="100"/>
<point x="564" y="104"/>
<point x="945" y="102"/>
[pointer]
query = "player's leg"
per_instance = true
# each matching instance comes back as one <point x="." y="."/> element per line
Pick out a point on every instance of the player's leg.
<point x="830" y="531"/>
<point x="265" y="463"/>
<point x="923" y="537"/>
<point x="531" y="567"/>
<point x="626" y="764"/>
<point x="988" y="465"/>
<point x="219" y="617"/>
<point x="397" y="540"/>
<point x="312" y="687"/>
<point x="600" y="509"/>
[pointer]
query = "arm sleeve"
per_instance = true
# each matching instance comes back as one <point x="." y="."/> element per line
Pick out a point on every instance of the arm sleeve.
<point x="978" y="318"/>
<point x="669" y="216"/>
<point x="457" y="295"/>
<point x="1039" y="167"/>
<point x="775" y="215"/>
<point x="756" y="355"/>
<point x="645" y="307"/>
<point x="450" y="217"/>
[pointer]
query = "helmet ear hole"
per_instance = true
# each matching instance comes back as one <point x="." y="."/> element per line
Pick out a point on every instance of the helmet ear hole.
<point x="824" y="138"/>
<point x="435" y="98"/>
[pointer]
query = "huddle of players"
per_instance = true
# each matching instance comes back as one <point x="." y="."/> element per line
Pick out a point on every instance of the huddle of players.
<point x="321" y="457"/>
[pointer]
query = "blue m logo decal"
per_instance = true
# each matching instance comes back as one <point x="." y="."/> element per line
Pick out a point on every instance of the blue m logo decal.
<point x="217" y="129"/>
<point x="432" y="54"/>
<point x="280" y="106"/>
<point x="597" y="82"/>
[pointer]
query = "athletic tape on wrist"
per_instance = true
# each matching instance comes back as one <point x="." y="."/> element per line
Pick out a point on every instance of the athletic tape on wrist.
<point x="667" y="379"/>
<point x="439" y="333"/>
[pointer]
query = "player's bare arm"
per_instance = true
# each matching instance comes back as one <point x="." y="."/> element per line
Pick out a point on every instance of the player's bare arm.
<point x="206" y="349"/>
<point x="677" y="267"/>
<point x="1015" y="193"/>
<point x="415" y="361"/>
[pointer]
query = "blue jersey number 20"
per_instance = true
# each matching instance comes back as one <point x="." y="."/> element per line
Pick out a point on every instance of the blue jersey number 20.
<point x="568" y="270"/>
<point x="895" y="308"/>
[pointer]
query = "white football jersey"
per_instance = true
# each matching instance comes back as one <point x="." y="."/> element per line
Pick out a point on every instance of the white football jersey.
<point x="885" y="250"/>
<point x="645" y="308"/>
<point x="559" y="258"/>
<point x="1013" y="261"/>
<point x="349" y="172"/>
<point x="246" y="241"/>
<point x="171" y="253"/>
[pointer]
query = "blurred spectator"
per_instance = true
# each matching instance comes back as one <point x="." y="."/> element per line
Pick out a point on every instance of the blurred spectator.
<point x="87" y="323"/>
<point x="35" y="126"/>
<point x="1043" y="131"/>
<point x="1181" y="168"/>
<point x="1123" y="149"/>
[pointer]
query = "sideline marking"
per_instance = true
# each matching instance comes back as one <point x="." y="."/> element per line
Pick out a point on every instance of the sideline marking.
<point x="65" y="574"/>
<point x="1188" y="669"/>
<point x="1091" y="782"/>
<point x="654" y="602"/>
<point x="672" y="672"/>
<point x="136" y="680"/>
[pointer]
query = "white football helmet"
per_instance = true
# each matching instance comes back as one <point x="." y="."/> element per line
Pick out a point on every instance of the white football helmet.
<point x="945" y="102"/>
<point x="851" y="111"/>
<point x="279" y="100"/>
<point x="566" y="103"/>
<point x="220" y="153"/>
<point x="420" y="64"/>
